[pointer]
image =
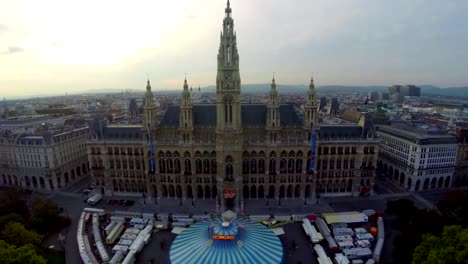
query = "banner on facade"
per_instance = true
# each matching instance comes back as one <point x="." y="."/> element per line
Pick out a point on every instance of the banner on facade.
<point x="229" y="194"/>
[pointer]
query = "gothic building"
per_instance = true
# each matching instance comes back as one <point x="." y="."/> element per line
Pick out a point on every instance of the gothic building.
<point x="232" y="152"/>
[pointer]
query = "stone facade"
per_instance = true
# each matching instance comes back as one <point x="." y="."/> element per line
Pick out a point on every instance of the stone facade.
<point x="461" y="169"/>
<point x="231" y="152"/>
<point x="49" y="161"/>
<point x="416" y="160"/>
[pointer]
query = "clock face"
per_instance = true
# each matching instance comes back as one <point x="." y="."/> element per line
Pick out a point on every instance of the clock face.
<point x="228" y="76"/>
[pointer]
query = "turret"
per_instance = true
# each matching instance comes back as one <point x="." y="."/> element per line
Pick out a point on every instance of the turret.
<point x="310" y="109"/>
<point x="150" y="111"/>
<point x="186" y="116"/>
<point x="273" y="116"/>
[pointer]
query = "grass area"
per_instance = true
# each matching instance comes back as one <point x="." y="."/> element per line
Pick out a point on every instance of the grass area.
<point x="56" y="258"/>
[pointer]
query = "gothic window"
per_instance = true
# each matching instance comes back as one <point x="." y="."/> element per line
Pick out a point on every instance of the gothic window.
<point x="283" y="166"/>
<point x="206" y="166"/>
<point x="272" y="166"/>
<point x="162" y="166"/>
<point x="229" y="169"/>
<point x="198" y="166"/>
<point x="228" y="54"/>
<point x="261" y="166"/>
<point x="245" y="166"/>
<point x="176" y="166"/>
<point x="170" y="165"/>
<point x="299" y="166"/>
<point x="291" y="166"/>
<point x="213" y="166"/>
<point x="253" y="167"/>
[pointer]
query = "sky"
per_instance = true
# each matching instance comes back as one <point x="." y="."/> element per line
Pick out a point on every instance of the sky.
<point x="63" y="46"/>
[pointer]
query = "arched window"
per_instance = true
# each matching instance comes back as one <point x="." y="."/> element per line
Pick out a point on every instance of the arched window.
<point x="299" y="166"/>
<point x="188" y="166"/>
<point x="176" y="166"/>
<point x="291" y="165"/>
<point x="213" y="166"/>
<point x="198" y="166"/>
<point x="206" y="166"/>
<point x="253" y="166"/>
<point x="272" y="166"/>
<point x="283" y="166"/>
<point x="170" y="165"/>
<point x="261" y="166"/>
<point x="162" y="166"/>
<point x="245" y="166"/>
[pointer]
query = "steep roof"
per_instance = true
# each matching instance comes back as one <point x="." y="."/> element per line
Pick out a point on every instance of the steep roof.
<point x="337" y="131"/>
<point x="252" y="115"/>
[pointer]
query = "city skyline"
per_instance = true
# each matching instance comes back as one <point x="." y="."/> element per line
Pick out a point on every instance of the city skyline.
<point x="359" y="43"/>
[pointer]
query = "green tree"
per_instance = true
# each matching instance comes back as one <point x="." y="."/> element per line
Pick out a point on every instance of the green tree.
<point x="12" y="217"/>
<point x="453" y="205"/>
<point x="26" y="254"/>
<point x="46" y="216"/>
<point x="13" y="202"/>
<point x="450" y="248"/>
<point x="17" y="235"/>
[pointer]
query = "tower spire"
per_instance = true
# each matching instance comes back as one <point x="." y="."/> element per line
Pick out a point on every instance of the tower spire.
<point x="148" y="85"/>
<point x="185" y="83"/>
<point x="228" y="8"/>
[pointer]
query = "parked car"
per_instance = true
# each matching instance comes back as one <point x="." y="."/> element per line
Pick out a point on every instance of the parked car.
<point x="113" y="202"/>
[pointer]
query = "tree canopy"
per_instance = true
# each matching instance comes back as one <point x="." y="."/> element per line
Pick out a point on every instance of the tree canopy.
<point x="10" y="254"/>
<point x="450" y="248"/>
<point x="16" y="234"/>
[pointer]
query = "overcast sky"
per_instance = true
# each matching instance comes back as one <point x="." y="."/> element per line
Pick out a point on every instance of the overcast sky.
<point x="58" y="46"/>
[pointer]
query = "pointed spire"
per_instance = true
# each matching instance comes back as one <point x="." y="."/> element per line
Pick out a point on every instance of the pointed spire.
<point x="185" y="83"/>
<point x="228" y="8"/>
<point x="311" y="85"/>
<point x="273" y="82"/>
<point x="148" y="85"/>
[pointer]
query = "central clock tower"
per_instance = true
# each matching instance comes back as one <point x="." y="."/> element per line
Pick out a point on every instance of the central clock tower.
<point x="228" y="78"/>
<point x="228" y="124"/>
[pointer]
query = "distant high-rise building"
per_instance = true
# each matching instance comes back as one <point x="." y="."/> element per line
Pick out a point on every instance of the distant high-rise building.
<point x="133" y="108"/>
<point x="410" y="90"/>
<point x="323" y="104"/>
<point x="334" y="107"/>
<point x="383" y="96"/>
<point x="374" y="96"/>
<point x="397" y="92"/>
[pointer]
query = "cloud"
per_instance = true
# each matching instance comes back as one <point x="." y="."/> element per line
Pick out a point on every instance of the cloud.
<point x="3" y="28"/>
<point x="11" y="50"/>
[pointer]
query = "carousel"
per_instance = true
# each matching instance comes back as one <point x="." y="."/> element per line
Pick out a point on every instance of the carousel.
<point x="227" y="239"/>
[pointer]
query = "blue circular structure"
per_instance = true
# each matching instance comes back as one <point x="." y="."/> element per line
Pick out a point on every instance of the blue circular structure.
<point x="239" y="240"/>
